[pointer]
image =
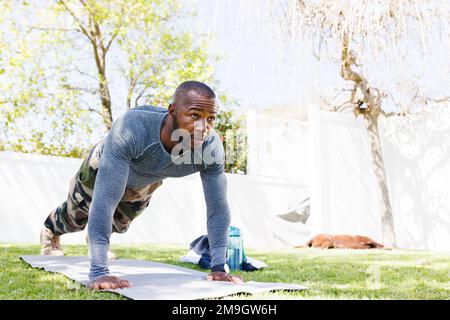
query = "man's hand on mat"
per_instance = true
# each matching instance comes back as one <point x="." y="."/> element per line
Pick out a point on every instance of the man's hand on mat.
<point x="108" y="282"/>
<point x="223" y="276"/>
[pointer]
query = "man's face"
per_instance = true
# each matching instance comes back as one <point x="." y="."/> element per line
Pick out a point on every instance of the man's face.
<point x="195" y="114"/>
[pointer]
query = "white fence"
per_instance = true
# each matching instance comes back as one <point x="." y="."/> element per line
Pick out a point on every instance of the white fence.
<point x="328" y="159"/>
<point x="416" y="150"/>
<point x="33" y="185"/>
<point x="277" y="147"/>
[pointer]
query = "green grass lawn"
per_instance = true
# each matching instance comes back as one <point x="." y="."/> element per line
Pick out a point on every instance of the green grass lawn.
<point x="329" y="274"/>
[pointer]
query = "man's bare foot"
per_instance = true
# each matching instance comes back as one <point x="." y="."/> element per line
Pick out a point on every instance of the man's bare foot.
<point x="223" y="276"/>
<point x="50" y="243"/>
<point x="108" y="282"/>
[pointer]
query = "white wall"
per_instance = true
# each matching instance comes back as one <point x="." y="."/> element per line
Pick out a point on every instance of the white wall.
<point x="337" y="175"/>
<point x="416" y="150"/>
<point x="30" y="187"/>
<point x="417" y="155"/>
<point x="277" y="147"/>
<point x="33" y="185"/>
<point x="343" y="198"/>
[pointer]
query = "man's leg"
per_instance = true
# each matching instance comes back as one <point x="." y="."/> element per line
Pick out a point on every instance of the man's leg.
<point x="134" y="201"/>
<point x="72" y="215"/>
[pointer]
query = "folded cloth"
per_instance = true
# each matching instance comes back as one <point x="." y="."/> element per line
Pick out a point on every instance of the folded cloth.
<point x="191" y="256"/>
<point x="199" y="254"/>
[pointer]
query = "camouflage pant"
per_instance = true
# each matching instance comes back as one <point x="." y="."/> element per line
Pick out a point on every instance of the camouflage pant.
<point x="72" y="215"/>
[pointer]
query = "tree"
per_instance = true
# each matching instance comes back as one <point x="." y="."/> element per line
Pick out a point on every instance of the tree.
<point x="20" y="80"/>
<point x="70" y="61"/>
<point x="231" y="128"/>
<point x="155" y="56"/>
<point x="364" y="30"/>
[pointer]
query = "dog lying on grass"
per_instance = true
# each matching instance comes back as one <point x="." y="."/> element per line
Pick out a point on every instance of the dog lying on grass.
<point x="342" y="241"/>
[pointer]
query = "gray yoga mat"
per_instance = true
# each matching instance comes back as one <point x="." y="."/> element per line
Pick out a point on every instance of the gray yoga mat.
<point x="154" y="280"/>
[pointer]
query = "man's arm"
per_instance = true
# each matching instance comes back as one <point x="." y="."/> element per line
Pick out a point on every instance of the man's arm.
<point x="218" y="214"/>
<point x="109" y="188"/>
<point x="218" y="221"/>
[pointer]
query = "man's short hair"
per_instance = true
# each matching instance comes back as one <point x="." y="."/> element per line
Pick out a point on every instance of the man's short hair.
<point x="195" y="86"/>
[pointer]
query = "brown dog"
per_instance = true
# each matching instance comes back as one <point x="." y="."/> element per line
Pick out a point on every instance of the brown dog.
<point x="341" y="241"/>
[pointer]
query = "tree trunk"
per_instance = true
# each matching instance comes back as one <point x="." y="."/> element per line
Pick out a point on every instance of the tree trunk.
<point x="387" y="220"/>
<point x="100" y="60"/>
<point x="129" y="101"/>
<point x="105" y="99"/>
<point x="94" y="35"/>
<point x="130" y="92"/>
<point x="368" y="103"/>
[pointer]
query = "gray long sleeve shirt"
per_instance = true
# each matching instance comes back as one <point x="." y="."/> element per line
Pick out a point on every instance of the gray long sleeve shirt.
<point x="133" y="155"/>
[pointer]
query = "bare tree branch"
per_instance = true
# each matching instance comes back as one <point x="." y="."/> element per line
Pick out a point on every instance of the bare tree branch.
<point x="111" y="40"/>
<point x="98" y="35"/>
<point x="54" y="29"/>
<point x="136" y="101"/>
<point x="95" y="111"/>
<point x="439" y="100"/>
<point x="75" y="88"/>
<point x="78" y="20"/>
<point x="346" y="105"/>
<point x="85" y="74"/>
<point x="131" y="87"/>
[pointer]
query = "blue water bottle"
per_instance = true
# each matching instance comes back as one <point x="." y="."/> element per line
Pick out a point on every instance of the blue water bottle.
<point x="234" y="246"/>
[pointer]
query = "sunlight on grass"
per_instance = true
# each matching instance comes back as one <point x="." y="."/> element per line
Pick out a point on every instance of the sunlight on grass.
<point x="329" y="274"/>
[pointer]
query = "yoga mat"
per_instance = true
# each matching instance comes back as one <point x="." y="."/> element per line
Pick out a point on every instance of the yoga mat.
<point x="154" y="280"/>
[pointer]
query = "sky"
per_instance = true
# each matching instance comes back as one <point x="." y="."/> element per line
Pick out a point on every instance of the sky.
<point x="252" y="70"/>
<point x="262" y="68"/>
